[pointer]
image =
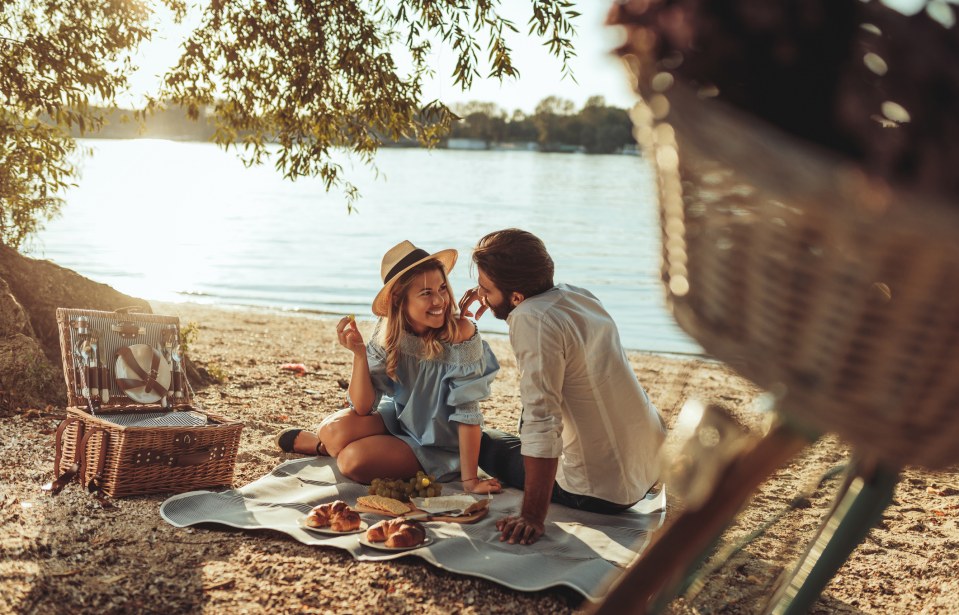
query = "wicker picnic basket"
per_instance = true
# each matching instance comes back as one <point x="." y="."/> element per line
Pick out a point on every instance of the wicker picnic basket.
<point x="836" y="292"/>
<point x="117" y="443"/>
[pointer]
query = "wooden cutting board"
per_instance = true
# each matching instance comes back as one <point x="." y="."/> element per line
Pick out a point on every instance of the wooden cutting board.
<point x="470" y="518"/>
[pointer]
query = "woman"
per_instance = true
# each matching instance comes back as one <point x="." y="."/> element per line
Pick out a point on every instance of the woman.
<point x="415" y="390"/>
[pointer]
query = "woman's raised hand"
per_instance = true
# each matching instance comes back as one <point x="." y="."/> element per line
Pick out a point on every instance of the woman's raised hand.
<point x="349" y="336"/>
<point x="469" y="298"/>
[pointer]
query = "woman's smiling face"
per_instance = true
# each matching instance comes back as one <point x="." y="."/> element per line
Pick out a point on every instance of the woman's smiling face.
<point x="428" y="301"/>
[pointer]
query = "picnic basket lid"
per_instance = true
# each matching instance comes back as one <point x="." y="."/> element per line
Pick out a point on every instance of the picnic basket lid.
<point x="140" y="351"/>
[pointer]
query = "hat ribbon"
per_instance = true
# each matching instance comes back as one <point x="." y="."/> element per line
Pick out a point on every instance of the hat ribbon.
<point x="417" y="254"/>
<point x="147" y="381"/>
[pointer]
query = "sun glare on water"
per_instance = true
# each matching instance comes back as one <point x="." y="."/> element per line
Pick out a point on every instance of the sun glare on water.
<point x="159" y="217"/>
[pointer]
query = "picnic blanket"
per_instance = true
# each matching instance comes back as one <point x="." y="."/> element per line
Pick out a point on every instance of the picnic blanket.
<point x="580" y="550"/>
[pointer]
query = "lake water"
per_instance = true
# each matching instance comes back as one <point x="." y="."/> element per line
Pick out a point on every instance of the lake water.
<point x="174" y="221"/>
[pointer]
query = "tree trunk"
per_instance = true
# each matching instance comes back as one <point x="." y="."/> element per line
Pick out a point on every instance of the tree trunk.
<point x="31" y="370"/>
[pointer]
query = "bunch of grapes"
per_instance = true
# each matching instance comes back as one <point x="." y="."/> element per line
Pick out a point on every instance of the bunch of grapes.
<point x="422" y="485"/>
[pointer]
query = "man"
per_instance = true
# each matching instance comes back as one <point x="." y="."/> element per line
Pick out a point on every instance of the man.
<point x="589" y="436"/>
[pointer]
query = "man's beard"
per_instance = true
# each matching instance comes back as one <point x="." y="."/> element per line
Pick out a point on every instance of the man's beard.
<point x="502" y="310"/>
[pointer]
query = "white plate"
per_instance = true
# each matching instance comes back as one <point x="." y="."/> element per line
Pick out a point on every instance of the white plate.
<point x="329" y="532"/>
<point x="144" y="355"/>
<point x="381" y="546"/>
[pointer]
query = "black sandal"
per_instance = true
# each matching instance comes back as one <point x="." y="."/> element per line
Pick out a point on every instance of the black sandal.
<point x="286" y="438"/>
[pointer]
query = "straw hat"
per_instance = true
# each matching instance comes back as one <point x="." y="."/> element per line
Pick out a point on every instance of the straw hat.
<point x="398" y="260"/>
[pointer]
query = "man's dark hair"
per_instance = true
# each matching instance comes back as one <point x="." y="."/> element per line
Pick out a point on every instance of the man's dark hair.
<point x="515" y="261"/>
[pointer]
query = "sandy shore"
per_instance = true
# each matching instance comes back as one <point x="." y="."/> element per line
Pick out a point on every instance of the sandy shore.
<point x="65" y="554"/>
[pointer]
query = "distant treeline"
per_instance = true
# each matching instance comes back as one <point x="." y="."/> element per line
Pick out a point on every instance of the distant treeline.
<point x="169" y="123"/>
<point x="555" y="125"/>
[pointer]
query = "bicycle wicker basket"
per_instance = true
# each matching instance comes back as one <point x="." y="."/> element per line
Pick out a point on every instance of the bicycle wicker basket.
<point x="836" y="292"/>
<point x="130" y="448"/>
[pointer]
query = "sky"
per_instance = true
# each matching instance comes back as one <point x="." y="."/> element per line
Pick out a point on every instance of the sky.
<point x="596" y="71"/>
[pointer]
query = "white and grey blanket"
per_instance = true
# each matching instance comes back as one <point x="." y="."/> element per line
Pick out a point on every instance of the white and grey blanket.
<point x="580" y="550"/>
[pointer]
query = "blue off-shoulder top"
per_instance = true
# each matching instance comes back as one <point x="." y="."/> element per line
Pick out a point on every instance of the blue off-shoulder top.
<point x="431" y="397"/>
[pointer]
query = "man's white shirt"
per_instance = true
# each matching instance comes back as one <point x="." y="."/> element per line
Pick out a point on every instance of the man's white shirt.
<point x="581" y="400"/>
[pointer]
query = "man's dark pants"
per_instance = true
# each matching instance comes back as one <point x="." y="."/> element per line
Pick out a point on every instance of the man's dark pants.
<point x="500" y="457"/>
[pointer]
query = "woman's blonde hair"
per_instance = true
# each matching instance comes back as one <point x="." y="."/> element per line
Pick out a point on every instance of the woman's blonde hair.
<point x="396" y="320"/>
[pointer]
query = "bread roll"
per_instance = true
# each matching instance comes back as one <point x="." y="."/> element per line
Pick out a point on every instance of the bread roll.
<point x="338" y="506"/>
<point x="397" y="533"/>
<point x="345" y="521"/>
<point x="408" y="534"/>
<point x="323" y="515"/>
<point x="318" y="517"/>
<point x="377" y="531"/>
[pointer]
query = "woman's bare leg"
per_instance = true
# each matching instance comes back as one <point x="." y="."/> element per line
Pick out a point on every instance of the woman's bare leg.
<point x="377" y="456"/>
<point x="341" y="428"/>
<point x="336" y="431"/>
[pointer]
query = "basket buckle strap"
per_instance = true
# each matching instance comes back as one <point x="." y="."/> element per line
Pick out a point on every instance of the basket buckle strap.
<point x="193" y="459"/>
<point x="182" y="460"/>
<point x="61" y="430"/>
<point x="56" y="486"/>
<point x="96" y="481"/>
<point x="147" y="381"/>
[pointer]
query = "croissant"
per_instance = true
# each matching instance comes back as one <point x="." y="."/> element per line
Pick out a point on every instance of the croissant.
<point x="322" y="515"/>
<point x="377" y="531"/>
<point x="345" y="521"/>
<point x="318" y="517"/>
<point x="397" y="533"/>
<point x="338" y="506"/>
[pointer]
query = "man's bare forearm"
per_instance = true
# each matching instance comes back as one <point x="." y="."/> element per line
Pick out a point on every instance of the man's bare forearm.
<point x="538" y="487"/>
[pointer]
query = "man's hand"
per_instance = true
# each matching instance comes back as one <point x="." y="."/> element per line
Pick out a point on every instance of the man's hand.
<point x="519" y="530"/>
<point x="469" y="298"/>
<point x="530" y="524"/>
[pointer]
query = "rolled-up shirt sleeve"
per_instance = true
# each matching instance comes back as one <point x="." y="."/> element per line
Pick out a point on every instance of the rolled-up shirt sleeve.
<point x="540" y="357"/>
